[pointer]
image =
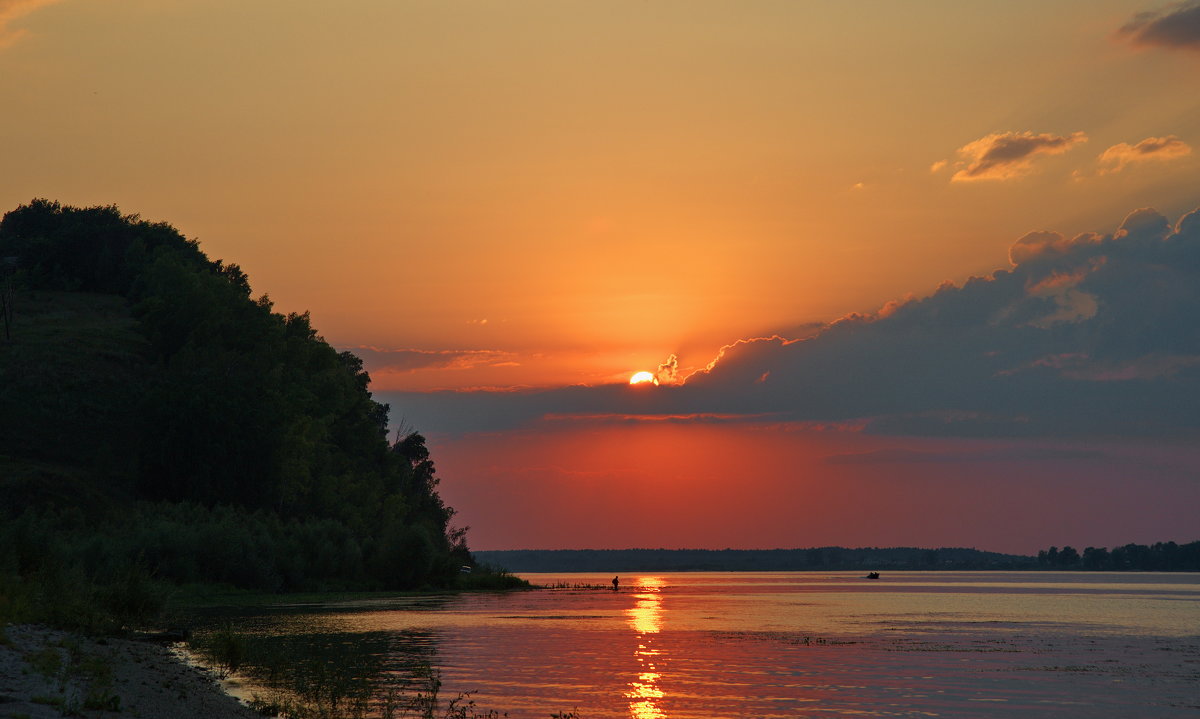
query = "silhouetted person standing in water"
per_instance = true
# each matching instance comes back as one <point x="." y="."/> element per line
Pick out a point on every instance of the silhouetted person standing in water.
<point x="616" y="583"/>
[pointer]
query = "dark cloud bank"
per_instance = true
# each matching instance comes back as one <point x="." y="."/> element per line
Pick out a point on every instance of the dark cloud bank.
<point x="1093" y="335"/>
<point x="1175" y="26"/>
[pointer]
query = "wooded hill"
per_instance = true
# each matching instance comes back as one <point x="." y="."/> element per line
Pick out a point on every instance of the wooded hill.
<point x="156" y="417"/>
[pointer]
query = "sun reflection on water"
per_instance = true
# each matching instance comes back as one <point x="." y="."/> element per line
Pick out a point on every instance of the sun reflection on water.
<point x="645" y="617"/>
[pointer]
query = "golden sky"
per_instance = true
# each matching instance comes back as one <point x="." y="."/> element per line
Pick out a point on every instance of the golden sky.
<point x="576" y="190"/>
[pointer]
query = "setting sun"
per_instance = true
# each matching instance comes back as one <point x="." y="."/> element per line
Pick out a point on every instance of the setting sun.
<point x="915" y="307"/>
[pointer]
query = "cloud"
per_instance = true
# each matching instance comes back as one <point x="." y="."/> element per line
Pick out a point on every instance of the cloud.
<point x="1006" y="155"/>
<point x="1120" y="156"/>
<point x="1175" y="26"/>
<point x="13" y="10"/>
<point x="1016" y="453"/>
<point x="1080" y="366"/>
<point x="739" y="346"/>
<point x="411" y="360"/>
<point x="706" y="417"/>
<point x="1093" y="335"/>
<point x="1043" y="244"/>
<point x="668" y="372"/>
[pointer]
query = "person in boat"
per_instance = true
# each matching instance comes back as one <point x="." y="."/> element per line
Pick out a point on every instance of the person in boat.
<point x="616" y="583"/>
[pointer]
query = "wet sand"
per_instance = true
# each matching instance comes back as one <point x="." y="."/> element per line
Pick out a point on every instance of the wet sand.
<point x="49" y="673"/>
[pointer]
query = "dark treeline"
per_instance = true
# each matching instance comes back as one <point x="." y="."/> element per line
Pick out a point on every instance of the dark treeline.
<point x="1161" y="557"/>
<point x="154" y="413"/>
<point x="762" y="560"/>
<point x="1158" y="557"/>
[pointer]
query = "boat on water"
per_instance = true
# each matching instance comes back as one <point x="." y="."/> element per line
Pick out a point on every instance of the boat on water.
<point x="873" y="575"/>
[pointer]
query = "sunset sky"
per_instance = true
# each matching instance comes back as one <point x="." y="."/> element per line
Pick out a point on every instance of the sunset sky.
<point x="508" y="208"/>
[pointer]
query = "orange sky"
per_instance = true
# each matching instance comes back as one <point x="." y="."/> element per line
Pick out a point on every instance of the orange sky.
<point x="542" y="194"/>
<point x="662" y="484"/>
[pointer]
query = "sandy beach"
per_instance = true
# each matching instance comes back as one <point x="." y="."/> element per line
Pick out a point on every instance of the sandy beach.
<point x="50" y="673"/>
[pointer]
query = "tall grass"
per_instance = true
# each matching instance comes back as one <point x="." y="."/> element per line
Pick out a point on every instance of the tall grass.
<point x="574" y="585"/>
<point x="340" y="676"/>
<point x="485" y="576"/>
<point x="69" y="598"/>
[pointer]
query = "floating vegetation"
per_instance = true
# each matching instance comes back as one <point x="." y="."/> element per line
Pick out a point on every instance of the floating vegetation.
<point x="574" y="585"/>
<point x="339" y="676"/>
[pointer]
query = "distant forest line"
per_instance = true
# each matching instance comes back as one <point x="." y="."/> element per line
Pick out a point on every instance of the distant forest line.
<point x="1159" y="557"/>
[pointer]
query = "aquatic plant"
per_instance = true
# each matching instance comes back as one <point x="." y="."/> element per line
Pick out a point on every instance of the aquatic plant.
<point x="484" y="576"/>
<point x="463" y="707"/>
<point x="574" y="585"/>
<point x="228" y="649"/>
<point x="332" y="684"/>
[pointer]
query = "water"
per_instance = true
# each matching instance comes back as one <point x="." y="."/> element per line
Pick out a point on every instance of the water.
<point x="782" y="644"/>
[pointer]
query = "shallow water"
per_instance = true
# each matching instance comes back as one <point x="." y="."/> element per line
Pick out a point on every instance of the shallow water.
<point x="782" y="644"/>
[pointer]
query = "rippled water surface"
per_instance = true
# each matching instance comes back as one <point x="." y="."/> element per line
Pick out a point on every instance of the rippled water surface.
<point x="706" y="645"/>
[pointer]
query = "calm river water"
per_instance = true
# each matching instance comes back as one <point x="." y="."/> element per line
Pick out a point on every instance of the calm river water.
<point x="777" y="644"/>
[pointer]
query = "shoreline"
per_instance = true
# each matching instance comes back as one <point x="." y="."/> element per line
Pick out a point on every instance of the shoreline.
<point x="48" y="673"/>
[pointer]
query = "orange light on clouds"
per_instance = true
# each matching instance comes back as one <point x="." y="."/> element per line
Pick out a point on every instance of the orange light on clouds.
<point x="741" y="224"/>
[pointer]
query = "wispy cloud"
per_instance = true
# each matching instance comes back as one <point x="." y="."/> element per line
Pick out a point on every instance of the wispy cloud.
<point x="1006" y="155"/>
<point x="1174" y="26"/>
<point x="1016" y="453"/>
<point x="411" y="360"/>
<point x="688" y="418"/>
<point x="1120" y="156"/>
<point x="10" y="12"/>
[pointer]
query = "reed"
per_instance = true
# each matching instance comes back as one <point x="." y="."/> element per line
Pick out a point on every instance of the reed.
<point x="574" y="585"/>
<point x="324" y="679"/>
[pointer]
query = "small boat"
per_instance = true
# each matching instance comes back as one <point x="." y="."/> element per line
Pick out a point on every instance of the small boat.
<point x="873" y="575"/>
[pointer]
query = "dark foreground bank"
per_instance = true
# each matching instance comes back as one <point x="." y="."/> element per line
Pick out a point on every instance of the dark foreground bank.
<point x="51" y="673"/>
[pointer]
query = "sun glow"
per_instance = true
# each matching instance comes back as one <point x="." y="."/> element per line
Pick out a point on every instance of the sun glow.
<point x="643" y="377"/>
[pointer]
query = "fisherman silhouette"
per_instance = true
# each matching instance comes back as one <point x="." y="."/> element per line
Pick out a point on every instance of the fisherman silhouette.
<point x="616" y="582"/>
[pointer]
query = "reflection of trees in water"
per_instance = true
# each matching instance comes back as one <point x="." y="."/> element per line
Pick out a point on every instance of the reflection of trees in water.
<point x="342" y="673"/>
<point x="307" y="659"/>
<point x="301" y="615"/>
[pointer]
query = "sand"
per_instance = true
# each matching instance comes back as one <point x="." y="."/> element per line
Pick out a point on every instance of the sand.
<point x="49" y="673"/>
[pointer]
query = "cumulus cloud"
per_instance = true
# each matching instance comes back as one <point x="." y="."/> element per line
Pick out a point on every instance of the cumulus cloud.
<point x="1006" y="155"/>
<point x="1042" y="244"/>
<point x="1084" y="336"/>
<point x="1091" y="334"/>
<point x="10" y="12"/>
<point x="1120" y="156"/>
<point x="668" y="372"/>
<point x="1174" y="26"/>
